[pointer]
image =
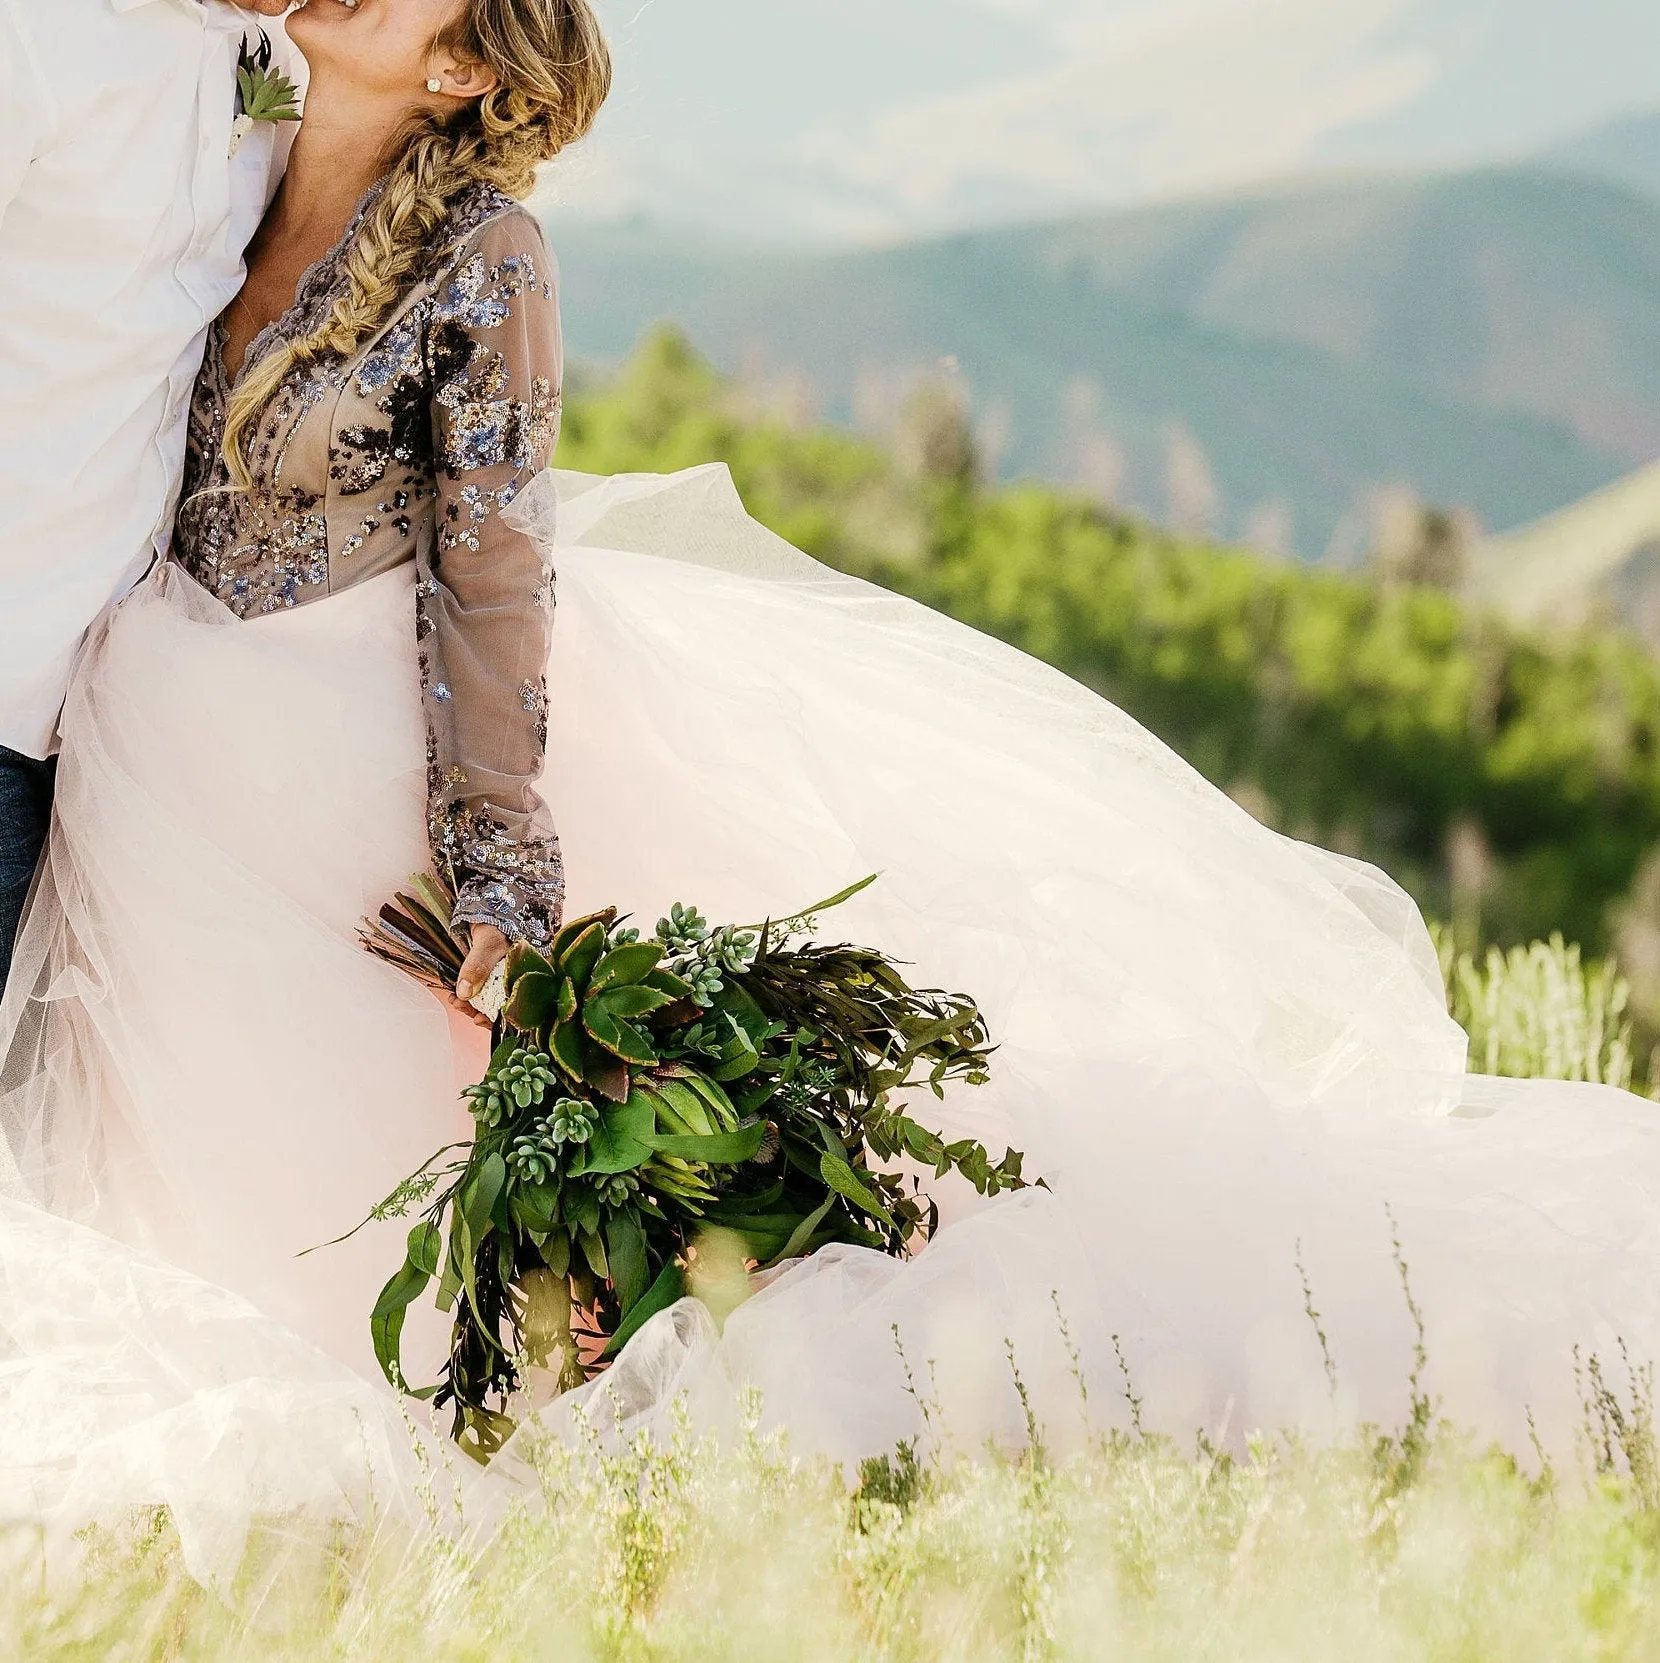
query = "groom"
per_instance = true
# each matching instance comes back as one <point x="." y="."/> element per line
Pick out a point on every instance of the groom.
<point x="123" y="219"/>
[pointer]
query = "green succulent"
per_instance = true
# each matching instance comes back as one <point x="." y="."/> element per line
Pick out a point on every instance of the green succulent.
<point x="732" y="949"/>
<point x="706" y="983"/>
<point x="572" y="1122"/>
<point x="528" y="1077"/>
<point x="519" y="1081"/>
<point x="616" y="1189"/>
<point x="588" y="999"/>
<point x="704" y="959"/>
<point x="682" y="930"/>
<point x="532" y="1160"/>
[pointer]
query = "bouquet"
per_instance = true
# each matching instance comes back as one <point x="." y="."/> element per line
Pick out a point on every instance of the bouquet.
<point x="641" y="1094"/>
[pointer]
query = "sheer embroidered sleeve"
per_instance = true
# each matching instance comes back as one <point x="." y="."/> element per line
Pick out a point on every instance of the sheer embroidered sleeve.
<point x="484" y="594"/>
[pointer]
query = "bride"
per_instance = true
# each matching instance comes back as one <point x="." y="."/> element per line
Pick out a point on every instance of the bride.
<point x="1227" y="1052"/>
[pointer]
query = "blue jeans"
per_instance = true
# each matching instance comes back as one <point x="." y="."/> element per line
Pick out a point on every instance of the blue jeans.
<point x="25" y="812"/>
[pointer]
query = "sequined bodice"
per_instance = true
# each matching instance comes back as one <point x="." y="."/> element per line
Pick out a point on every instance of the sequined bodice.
<point x="407" y="455"/>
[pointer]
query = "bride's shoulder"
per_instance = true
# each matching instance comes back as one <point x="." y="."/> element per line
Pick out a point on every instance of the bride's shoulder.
<point x="492" y="231"/>
<point x="487" y="215"/>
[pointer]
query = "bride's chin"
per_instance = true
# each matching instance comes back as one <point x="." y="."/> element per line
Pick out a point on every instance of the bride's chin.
<point x="316" y="22"/>
<point x="315" y="13"/>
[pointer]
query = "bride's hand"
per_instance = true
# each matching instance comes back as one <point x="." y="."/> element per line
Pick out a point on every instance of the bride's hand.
<point x="267" y="8"/>
<point x="488" y="950"/>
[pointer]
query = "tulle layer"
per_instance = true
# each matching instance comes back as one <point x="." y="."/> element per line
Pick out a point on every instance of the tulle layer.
<point x="1226" y="1052"/>
<point x="206" y="1076"/>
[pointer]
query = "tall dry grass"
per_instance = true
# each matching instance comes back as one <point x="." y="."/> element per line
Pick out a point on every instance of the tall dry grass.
<point x="1392" y="1545"/>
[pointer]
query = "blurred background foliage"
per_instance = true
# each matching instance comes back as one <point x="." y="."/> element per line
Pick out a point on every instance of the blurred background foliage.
<point x="1509" y="778"/>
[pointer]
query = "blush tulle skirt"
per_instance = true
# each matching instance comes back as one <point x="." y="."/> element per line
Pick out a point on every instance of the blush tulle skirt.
<point x="1226" y="1052"/>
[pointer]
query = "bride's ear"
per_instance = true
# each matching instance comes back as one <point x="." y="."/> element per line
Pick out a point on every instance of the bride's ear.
<point x="461" y="77"/>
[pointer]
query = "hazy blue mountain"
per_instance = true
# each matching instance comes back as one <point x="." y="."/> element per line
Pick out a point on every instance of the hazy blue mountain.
<point x="1624" y="152"/>
<point x="1492" y="340"/>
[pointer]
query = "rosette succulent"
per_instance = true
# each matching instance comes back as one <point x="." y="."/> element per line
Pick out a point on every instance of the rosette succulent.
<point x="520" y="1080"/>
<point x="616" y="1189"/>
<point x="682" y="931"/>
<point x="572" y="1121"/>
<point x="591" y="1002"/>
<point x="533" y="1159"/>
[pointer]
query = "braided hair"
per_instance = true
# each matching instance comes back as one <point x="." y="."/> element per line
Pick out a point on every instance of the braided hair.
<point x="553" y="73"/>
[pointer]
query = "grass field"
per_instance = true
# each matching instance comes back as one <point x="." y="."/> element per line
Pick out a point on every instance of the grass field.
<point x="1399" y="1544"/>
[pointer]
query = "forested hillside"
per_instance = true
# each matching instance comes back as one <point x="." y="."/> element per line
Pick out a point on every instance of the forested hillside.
<point x="1512" y="781"/>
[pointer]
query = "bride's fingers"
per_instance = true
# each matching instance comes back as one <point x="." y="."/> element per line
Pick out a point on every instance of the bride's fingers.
<point x="471" y="1012"/>
<point x="489" y="948"/>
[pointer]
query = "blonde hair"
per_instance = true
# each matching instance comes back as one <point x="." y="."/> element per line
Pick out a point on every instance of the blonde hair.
<point x="553" y="73"/>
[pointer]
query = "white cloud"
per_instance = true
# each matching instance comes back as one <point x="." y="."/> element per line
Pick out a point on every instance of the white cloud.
<point x="865" y="118"/>
<point x="1143" y="100"/>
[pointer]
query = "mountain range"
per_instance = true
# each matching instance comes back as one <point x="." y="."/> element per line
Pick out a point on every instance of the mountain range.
<point x="1259" y="365"/>
<point x="1621" y="152"/>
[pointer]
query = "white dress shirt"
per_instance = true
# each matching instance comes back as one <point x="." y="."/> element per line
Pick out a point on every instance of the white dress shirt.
<point x="123" y="221"/>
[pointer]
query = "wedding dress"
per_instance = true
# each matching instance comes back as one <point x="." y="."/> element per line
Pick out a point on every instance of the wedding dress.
<point x="1227" y="1052"/>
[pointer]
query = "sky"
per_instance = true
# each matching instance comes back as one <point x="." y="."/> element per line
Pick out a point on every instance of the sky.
<point x="869" y="120"/>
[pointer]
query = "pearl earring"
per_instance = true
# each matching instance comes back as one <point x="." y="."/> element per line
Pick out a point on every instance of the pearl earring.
<point x="435" y="85"/>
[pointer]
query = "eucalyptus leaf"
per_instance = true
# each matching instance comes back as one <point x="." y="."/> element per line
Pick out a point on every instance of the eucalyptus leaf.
<point x="426" y="1243"/>
<point x="744" y="1206"/>
<point x="619" y="1143"/>
<point x="477" y="1199"/>
<point x="846" y="1182"/>
<point x="593" y="1250"/>
<point x="556" y="1253"/>
<point x="534" y="1206"/>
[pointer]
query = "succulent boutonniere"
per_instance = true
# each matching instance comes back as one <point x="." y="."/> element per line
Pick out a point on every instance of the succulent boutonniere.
<point x="262" y="93"/>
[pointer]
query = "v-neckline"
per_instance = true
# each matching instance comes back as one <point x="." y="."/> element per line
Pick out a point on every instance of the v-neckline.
<point x="303" y="297"/>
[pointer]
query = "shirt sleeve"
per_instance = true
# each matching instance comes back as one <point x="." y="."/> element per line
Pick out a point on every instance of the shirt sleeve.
<point x="484" y="591"/>
<point x="22" y="105"/>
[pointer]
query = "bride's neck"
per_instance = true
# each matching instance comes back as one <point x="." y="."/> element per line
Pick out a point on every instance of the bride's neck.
<point x="339" y="152"/>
